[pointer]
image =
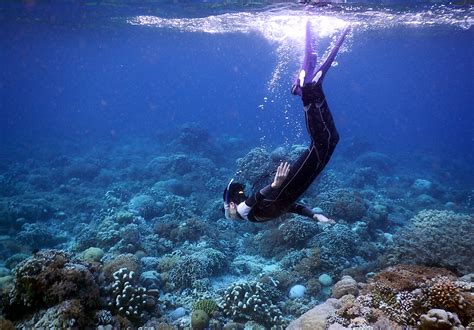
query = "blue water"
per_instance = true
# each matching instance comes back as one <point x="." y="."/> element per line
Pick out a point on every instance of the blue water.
<point x="95" y="91"/>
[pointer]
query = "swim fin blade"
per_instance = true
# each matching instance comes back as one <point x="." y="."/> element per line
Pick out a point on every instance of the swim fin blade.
<point x="305" y="74"/>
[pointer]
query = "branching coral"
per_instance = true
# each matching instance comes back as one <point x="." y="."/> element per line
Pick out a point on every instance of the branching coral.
<point x="130" y="299"/>
<point x="252" y="301"/>
<point x="405" y="292"/>
<point x="444" y="293"/>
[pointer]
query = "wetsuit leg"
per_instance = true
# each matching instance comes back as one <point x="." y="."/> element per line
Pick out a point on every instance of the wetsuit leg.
<point x="321" y="128"/>
<point x="319" y="123"/>
<point x="324" y="138"/>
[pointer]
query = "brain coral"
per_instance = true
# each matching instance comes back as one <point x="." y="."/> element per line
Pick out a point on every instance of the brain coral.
<point x="434" y="237"/>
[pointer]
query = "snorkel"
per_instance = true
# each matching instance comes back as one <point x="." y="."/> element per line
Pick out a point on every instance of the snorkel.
<point x="227" y="200"/>
<point x="234" y="193"/>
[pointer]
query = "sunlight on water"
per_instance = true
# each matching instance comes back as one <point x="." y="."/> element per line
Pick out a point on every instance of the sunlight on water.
<point x="284" y="25"/>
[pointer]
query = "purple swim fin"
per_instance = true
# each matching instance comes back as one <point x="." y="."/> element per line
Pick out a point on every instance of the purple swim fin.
<point x="308" y="73"/>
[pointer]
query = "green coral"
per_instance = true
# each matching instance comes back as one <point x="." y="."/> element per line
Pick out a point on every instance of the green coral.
<point x="92" y="254"/>
<point x="199" y="320"/>
<point x="207" y="305"/>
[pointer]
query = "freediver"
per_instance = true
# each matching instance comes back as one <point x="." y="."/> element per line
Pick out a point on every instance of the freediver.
<point x="289" y="184"/>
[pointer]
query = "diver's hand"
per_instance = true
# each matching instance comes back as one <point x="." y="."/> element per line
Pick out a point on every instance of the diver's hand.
<point x="321" y="218"/>
<point x="281" y="174"/>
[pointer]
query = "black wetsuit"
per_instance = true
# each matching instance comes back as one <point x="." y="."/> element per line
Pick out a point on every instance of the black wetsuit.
<point x="269" y="203"/>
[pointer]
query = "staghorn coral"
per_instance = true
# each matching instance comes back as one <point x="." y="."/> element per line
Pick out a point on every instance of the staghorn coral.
<point x="252" y="301"/>
<point x="434" y="237"/>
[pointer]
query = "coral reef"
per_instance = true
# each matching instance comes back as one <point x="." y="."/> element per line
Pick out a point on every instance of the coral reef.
<point x="336" y="246"/>
<point x="397" y="297"/>
<point x="439" y="319"/>
<point x="435" y="237"/>
<point x="189" y="268"/>
<point x="253" y="165"/>
<point x="50" y="277"/>
<point x="207" y="305"/>
<point x="252" y="301"/>
<point x="128" y="261"/>
<point x="347" y="285"/>
<point x="343" y="204"/>
<point x="130" y="299"/>
<point x="146" y="217"/>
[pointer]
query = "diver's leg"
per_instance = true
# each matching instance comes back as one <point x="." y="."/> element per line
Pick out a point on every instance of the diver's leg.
<point x="318" y="74"/>
<point x="308" y="73"/>
<point x="319" y="123"/>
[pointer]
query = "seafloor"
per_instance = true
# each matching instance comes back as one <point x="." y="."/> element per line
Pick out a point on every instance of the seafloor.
<point x="128" y="233"/>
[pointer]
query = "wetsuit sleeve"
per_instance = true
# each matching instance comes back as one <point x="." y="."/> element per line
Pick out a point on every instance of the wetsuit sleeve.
<point x="302" y="210"/>
<point x="260" y="195"/>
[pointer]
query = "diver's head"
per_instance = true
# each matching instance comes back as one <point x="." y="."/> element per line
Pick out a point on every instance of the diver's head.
<point x="233" y="195"/>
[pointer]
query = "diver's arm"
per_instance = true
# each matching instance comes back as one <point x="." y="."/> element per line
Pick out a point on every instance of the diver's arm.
<point x="260" y="195"/>
<point x="302" y="210"/>
<point x="281" y="174"/>
<point x="307" y="212"/>
<point x="245" y="207"/>
<point x="268" y="191"/>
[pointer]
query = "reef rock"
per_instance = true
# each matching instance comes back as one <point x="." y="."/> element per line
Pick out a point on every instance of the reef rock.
<point x="439" y="319"/>
<point x="315" y="318"/>
<point x="347" y="285"/>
